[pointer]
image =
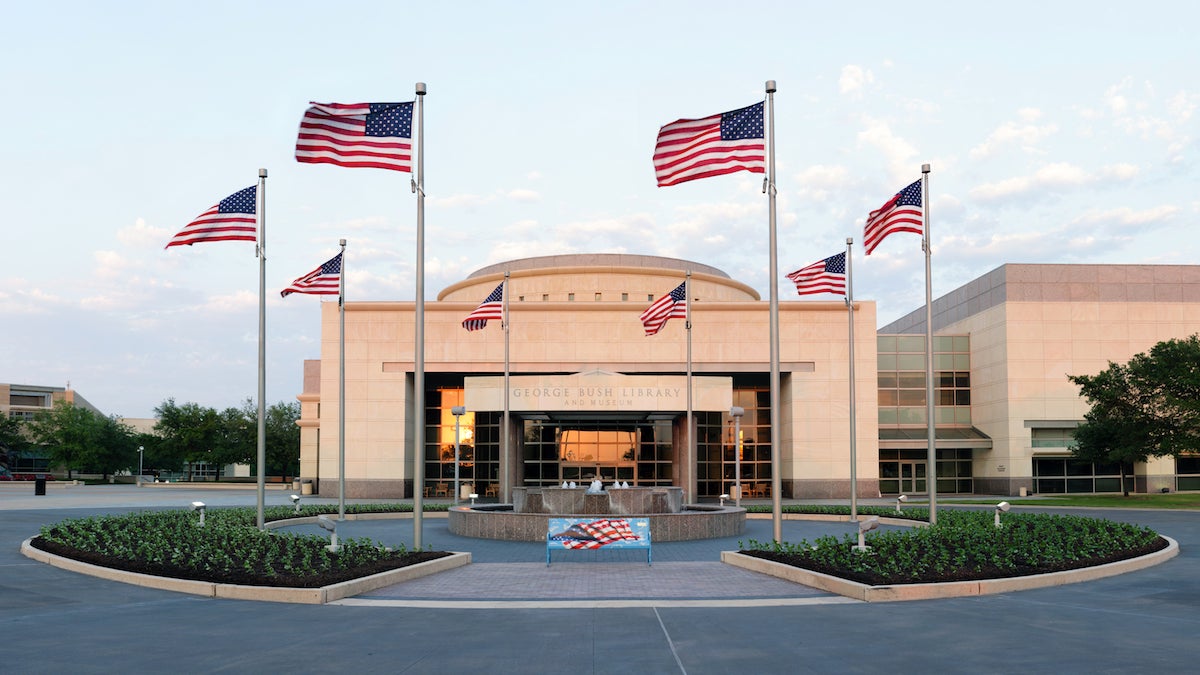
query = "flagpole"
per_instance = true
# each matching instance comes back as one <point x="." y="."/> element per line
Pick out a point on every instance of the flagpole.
<point x="261" y="210"/>
<point x="505" y="478"/>
<point x="776" y="439"/>
<point x="691" y="446"/>
<point x="853" y="421"/>
<point x="931" y="460"/>
<point x="418" y="406"/>
<point x="342" y="384"/>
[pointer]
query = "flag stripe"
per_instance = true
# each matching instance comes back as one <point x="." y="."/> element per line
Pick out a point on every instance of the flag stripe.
<point x="357" y="135"/>
<point x="673" y="305"/>
<point x="231" y="219"/>
<point x="688" y="149"/>
<point x="902" y="213"/>
<point x="325" y="280"/>
<point x="823" y="276"/>
<point x="492" y="307"/>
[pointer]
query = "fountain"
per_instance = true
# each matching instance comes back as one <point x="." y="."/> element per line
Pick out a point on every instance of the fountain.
<point x="527" y="518"/>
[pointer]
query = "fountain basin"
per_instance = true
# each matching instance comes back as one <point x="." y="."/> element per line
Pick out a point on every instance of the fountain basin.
<point x="499" y="521"/>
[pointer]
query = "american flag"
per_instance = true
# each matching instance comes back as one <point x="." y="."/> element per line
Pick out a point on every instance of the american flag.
<point x="711" y="146"/>
<point x="901" y="213"/>
<point x="673" y="305"/>
<point x="492" y="307"/>
<point x="372" y="135"/>
<point x="325" y="280"/>
<point x="595" y="534"/>
<point x="231" y="219"/>
<point x="823" y="276"/>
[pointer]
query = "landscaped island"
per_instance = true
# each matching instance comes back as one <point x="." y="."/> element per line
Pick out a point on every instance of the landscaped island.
<point x="965" y="545"/>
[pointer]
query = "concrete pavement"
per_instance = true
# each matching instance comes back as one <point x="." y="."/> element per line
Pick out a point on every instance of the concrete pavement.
<point x="686" y="614"/>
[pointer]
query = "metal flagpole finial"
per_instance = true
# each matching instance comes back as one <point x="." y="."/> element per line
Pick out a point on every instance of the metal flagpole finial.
<point x="262" y="173"/>
<point x="342" y="243"/>
<point x="771" y="86"/>
<point x="849" y="240"/>
<point x="924" y="168"/>
<point x="420" y="89"/>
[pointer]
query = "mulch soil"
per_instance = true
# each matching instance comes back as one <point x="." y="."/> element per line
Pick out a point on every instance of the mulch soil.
<point x="932" y="576"/>
<point x="241" y="577"/>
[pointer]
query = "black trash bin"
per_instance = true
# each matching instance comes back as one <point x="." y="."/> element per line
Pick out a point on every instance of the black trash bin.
<point x="39" y="486"/>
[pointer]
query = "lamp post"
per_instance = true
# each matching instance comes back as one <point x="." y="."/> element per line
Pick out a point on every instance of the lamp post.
<point x="458" y="412"/>
<point x="139" y="478"/>
<point x="736" y="413"/>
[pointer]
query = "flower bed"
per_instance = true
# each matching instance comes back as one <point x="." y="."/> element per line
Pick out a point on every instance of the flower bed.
<point x="228" y="549"/>
<point x="964" y="546"/>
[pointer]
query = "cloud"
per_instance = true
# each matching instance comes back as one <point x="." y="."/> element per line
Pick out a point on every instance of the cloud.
<point x="817" y="182"/>
<point x="854" y="79"/>
<point x="1126" y="218"/>
<point x="897" y="151"/>
<point x="1055" y="177"/>
<point x="141" y="235"/>
<point x="1025" y="135"/>
<point x="523" y="195"/>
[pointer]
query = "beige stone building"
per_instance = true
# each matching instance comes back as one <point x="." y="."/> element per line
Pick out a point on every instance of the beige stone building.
<point x="590" y="394"/>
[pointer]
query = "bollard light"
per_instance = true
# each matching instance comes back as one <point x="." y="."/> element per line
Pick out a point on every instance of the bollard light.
<point x="1002" y="506"/>
<point x="458" y="411"/>
<point x="473" y="496"/>
<point x="723" y="498"/>
<point x="325" y="523"/>
<point x="199" y="506"/>
<point x="865" y="526"/>
<point x="736" y="413"/>
<point x="296" y="502"/>
<point x="900" y="500"/>
<point x="141" y="454"/>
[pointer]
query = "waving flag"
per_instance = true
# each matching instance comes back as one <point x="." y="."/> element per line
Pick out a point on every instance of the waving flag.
<point x="372" y="135"/>
<point x="711" y="146"/>
<point x="491" y="308"/>
<point x="231" y="219"/>
<point x="823" y="276"/>
<point x="670" y="306"/>
<point x="901" y="213"/>
<point x="325" y="280"/>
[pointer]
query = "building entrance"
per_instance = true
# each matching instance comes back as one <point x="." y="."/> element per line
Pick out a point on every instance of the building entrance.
<point x="638" y="452"/>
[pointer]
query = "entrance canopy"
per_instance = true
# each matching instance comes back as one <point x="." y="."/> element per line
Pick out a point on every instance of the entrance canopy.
<point x="598" y="392"/>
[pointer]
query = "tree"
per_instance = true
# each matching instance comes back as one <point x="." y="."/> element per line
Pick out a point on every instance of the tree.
<point x="12" y="441"/>
<point x="69" y="433"/>
<point x="283" y="439"/>
<point x="1149" y="407"/>
<point x="188" y="431"/>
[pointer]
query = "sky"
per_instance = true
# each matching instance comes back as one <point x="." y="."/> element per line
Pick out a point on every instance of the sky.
<point x="1057" y="132"/>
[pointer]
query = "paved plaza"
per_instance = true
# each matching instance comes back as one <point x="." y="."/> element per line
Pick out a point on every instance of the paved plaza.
<point x="508" y="612"/>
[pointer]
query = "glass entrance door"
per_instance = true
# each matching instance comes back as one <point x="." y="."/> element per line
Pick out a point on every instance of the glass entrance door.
<point x="912" y="477"/>
<point x="607" y="454"/>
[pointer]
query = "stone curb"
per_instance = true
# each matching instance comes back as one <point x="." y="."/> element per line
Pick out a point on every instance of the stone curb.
<point x="901" y="592"/>
<point x="309" y="596"/>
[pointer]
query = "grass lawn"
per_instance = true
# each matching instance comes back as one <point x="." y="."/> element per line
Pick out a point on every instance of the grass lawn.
<point x="1134" y="501"/>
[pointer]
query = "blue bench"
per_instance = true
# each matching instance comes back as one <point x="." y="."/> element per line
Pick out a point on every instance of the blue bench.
<point x="593" y="534"/>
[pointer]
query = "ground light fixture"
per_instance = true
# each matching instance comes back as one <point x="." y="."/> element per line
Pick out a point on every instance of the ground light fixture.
<point x="723" y="498"/>
<point x="458" y="411"/>
<point x="296" y="502"/>
<point x="326" y="524"/>
<point x="199" y="506"/>
<point x="864" y="526"/>
<point x="473" y="496"/>
<point x="900" y="500"/>
<point x="736" y="412"/>
<point x="1002" y="506"/>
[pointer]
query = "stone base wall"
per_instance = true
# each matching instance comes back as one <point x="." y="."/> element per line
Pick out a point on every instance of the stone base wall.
<point x="707" y="522"/>
<point x="868" y="488"/>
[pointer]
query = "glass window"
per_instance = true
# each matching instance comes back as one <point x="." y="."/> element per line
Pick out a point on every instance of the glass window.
<point x="886" y="361"/>
<point x="910" y="362"/>
<point x="885" y="344"/>
<point x="911" y="343"/>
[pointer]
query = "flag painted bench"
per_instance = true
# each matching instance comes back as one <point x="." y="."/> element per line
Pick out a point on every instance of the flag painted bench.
<point x="591" y="534"/>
